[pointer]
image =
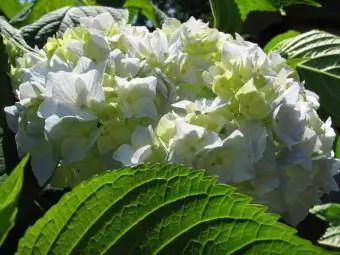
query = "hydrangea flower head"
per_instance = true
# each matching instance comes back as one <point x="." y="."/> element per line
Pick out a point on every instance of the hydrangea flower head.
<point x="109" y="94"/>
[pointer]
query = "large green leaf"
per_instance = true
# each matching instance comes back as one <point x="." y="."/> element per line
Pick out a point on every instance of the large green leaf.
<point x="247" y="6"/>
<point x="330" y="213"/>
<point x="226" y="16"/>
<point x="157" y="209"/>
<point x="10" y="7"/>
<point x="322" y="71"/>
<point x="56" y="22"/>
<point x="9" y="195"/>
<point x="42" y="7"/>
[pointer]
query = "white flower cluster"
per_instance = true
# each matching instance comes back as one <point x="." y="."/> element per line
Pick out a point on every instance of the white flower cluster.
<point x="108" y="94"/>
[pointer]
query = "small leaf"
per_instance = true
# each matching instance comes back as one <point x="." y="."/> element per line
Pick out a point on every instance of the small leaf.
<point x="331" y="237"/>
<point x="328" y="212"/>
<point x="279" y="38"/>
<point x="321" y="72"/>
<point x="145" y="6"/>
<point x="9" y="195"/>
<point x="337" y="147"/>
<point x="226" y="16"/>
<point x="331" y="214"/>
<point x="42" y="7"/>
<point x="159" y="209"/>
<point x="56" y="22"/>
<point x="247" y="6"/>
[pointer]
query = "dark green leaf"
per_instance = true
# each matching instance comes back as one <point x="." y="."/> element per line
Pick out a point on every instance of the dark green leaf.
<point x="247" y="6"/>
<point x="322" y="71"/>
<point x="56" y="22"/>
<point x="146" y="8"/>
<point x="9" y="195"/>
<point x="226" y="16"/>
<point x="8" y="145"/>
<point x="279" y="38"/>
<point x="157" y="209"/>
<point x="2" y="158"/>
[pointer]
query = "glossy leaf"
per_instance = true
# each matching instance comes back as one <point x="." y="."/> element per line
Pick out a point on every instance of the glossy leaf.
<point x="330" y="213"/>
<point x="56" y="22"/>
<point x="9" y="195"/>
<point x="279" y="38"/>
<point x="321" y="72"/>
<point x="159" y="209"/>
<point x="247" y="6"/>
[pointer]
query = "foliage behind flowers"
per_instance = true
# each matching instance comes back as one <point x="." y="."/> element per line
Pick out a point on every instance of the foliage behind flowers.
<point x="110" y="94"/>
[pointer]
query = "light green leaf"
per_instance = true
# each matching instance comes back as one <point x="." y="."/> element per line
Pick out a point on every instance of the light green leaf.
<point x="247" y="6"/>
<point x="322" y="71"/>
<point x="279" y="38"/>
<point x="42" y="7"/>
<point x="330" y="213"/>
<point x="11" y="7"/>
<point x="226" y="16"/>
<point x="9" y="195"/>
<point x="159" y="209"/>
<point x="145" y="6"/>
<point x="56" y="22"/>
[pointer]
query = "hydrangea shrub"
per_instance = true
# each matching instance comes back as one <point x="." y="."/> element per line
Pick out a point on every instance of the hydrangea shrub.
<point x="110" y="94"/>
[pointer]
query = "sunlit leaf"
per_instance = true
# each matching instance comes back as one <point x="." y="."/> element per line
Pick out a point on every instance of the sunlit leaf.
<point x="159" y="209"/>
<point x="9" y="195"/>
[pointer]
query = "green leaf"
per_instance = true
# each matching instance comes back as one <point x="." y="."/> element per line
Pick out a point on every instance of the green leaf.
<point x="56" y="22"/>
<point x="279" y="38"/>
<point x="9" y="195"/>
<point x="322" y="71"/>
<point x="42" y="7"/>
<point x="15" y="36"/>
<point x="10" y="7"/>
<point x="146" y="8"/>
<point x="226" y="16"/>
<point x="159" y="209"/>
<point x="3" y="179"/>
<point x="247" y="6"/>
<point x="330" y="213"/>
<point x="2" y="158"/>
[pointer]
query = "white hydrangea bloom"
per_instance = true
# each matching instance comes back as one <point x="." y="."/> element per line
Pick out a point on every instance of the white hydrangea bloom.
<point x="109" y="94"/>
